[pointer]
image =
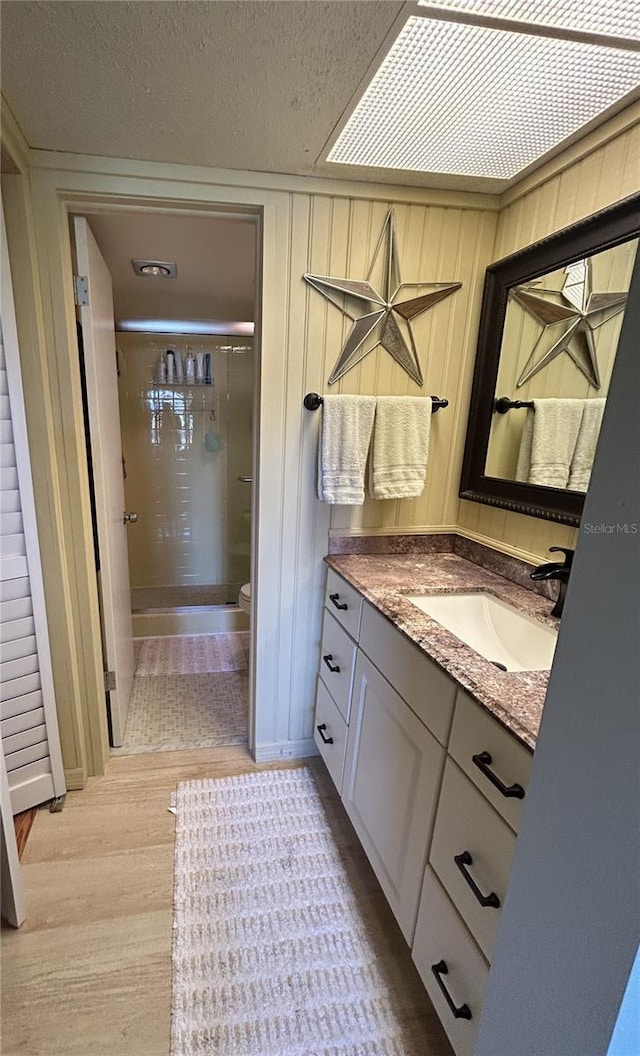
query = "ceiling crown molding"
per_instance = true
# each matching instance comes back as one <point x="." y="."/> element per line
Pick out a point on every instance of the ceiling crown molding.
<point x="14" y="143"/>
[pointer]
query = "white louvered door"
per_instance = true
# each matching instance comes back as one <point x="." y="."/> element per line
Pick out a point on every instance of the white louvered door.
<point x="29" y="727"/>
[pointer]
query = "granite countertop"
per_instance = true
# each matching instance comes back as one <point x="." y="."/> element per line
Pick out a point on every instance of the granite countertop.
<point x="514" y="698"/>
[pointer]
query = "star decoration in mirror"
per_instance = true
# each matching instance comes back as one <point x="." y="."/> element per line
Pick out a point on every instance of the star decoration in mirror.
<point x="572" y="316"/>
<point x="378" y="308"/>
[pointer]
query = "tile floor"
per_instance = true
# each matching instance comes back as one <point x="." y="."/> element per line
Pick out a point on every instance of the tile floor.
<point x="189" y="691"/>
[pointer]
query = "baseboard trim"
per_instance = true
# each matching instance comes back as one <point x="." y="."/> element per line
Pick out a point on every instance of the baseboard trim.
<point x="269" y="753"/>
<point x="75" y="778"/>
<point x="214" y="620"/>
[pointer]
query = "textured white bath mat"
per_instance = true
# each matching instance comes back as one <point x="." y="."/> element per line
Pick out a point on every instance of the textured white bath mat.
<point x="275" y="951"/>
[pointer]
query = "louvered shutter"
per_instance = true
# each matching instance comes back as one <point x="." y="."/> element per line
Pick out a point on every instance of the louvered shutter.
<point x="30" y="741"/>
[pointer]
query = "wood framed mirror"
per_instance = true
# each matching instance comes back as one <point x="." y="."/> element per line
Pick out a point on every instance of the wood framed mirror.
<point x="549" y="328"/>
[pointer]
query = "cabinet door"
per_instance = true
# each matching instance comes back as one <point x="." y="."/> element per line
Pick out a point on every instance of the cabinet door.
<point x="391" y="778"/>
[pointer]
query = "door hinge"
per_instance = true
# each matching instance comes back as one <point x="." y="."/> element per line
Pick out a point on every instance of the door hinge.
<point x="81" y="290"/>
<point x="109" y="680"/>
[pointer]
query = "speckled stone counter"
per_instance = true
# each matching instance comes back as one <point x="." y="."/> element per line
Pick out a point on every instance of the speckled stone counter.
<point x="514" y="698"/>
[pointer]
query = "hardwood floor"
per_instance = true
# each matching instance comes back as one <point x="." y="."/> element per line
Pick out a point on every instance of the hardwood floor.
<point x="22" y="824"/>
<point x="89" y="972"/>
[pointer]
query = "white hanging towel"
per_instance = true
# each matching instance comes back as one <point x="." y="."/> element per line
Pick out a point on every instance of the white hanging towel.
<point x="347" y="422"/>
<point x="400" y="446"/>
<point x="586" y="444"/>
<point x="548" y="442"/>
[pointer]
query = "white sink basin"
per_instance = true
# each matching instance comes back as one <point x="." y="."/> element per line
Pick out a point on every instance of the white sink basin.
<point x="493" y="628"/>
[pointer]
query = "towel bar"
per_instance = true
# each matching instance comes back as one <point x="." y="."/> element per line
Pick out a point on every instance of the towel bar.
<point x="312" y="401"/>
<point x="504" y="404"/>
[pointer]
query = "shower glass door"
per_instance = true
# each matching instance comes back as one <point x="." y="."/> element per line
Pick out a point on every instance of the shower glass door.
<point x="186" y="440"/>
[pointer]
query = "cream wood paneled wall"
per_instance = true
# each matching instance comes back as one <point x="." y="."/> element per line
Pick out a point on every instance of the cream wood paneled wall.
<point x="600" y="178"/>
<point x="435" y="245"/>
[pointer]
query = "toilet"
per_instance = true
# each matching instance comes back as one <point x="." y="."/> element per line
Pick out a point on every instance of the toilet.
<point x="244" y="598"/>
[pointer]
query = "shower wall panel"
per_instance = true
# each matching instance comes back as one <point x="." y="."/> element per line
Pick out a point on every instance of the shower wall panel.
<point x="183" y="448"/>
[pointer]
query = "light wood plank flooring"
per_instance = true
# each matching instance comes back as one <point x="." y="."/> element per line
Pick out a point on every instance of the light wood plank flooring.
<point x="89" y="972"/>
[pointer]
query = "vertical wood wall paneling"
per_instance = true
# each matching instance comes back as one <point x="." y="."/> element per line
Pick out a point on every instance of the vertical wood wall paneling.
<point x="599" y="179"/>
<point x="296" y="595"/>
<point x="436" y="244"/>
<point x="272" y="715"/>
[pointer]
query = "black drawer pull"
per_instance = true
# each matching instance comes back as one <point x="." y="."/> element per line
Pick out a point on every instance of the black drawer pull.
<point x="462" y="1012"/>
<point x="338" y="604"/>
<point x="483" y="761"/>
<point x="463" y="860"/>
<point x="332" y="667"/>
<point x="321" y="728"/>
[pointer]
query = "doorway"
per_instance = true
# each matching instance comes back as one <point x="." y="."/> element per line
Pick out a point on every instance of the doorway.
<point x="184" y="371"/>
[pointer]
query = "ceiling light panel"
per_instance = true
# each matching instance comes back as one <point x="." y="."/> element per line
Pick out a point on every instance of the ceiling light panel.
<point x="473" y="101"/>
<point x="621" y="19"/>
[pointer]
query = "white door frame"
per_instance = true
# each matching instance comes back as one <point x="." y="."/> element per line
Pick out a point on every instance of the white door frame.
<point x="109" y="205"/>
<point x="290" y="526"/>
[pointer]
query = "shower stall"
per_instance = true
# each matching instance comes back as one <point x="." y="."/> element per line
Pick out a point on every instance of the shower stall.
<point x="186" y="423"/>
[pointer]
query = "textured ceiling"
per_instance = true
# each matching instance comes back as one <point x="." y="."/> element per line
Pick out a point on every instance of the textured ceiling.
<point x="257" y="85"/>
<point x="241" y="84"/>
<point x="215" y="258"/>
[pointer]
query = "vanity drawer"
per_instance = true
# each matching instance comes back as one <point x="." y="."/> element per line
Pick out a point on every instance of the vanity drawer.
<point x="425" y="688"/>
<point x="500" y="759"/>
<point x="329" y="726"/>
<point x="344" y="602"/>
<point x="337" y="661"/>
<point x="466" y="824"/>
<point x="442" y="939"/>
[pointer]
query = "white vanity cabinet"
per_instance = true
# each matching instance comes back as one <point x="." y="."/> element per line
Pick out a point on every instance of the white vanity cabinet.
<point x="433" y="785"/>
<point x="383" y="718"/>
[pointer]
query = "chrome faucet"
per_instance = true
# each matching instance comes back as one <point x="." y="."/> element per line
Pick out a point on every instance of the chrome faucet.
<point x="555" y="570"/>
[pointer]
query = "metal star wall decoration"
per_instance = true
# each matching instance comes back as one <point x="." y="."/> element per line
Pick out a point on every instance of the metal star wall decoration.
<point x="383" y="315"/>
<point x="576" y="313"/>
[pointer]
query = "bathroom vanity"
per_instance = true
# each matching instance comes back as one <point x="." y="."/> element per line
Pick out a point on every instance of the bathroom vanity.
<point x="430" y="747"/>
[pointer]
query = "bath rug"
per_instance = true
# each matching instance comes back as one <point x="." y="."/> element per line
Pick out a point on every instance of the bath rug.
<point x="277" y="948"/>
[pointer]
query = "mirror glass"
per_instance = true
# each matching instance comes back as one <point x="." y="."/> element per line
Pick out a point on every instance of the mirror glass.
<point x="559" y="342"/>
<point x="552" y="315"/>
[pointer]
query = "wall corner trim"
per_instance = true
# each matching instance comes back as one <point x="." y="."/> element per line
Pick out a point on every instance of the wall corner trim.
<point x="576" y="152"/>
<point x="270" y="753"/>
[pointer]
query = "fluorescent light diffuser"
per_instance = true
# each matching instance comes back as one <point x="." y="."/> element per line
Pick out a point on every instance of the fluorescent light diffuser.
<point x="473" y="101"/>
<point x="180" y="326"/>
<point x="620" y="19"/>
